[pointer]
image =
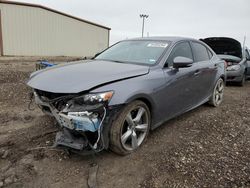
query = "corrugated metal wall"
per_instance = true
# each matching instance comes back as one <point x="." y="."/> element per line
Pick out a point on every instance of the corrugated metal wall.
<point x="32" y="31"/>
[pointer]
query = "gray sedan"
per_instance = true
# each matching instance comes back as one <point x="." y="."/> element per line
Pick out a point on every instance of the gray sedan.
<point x="235" y="56"/>
<point x="115" y="99"/>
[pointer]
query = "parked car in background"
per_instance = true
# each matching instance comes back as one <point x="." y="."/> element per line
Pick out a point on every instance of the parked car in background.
<point x="235" y="56"/>
<point x="114" y="100"/>
<point x="248" y="63"/>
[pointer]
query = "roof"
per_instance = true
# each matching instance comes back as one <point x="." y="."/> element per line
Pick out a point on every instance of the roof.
<point x="52" y="10"/>
<point x="164" y="38"/>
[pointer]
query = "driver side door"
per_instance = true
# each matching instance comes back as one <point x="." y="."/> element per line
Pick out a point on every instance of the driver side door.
<point x="177" y="94"/>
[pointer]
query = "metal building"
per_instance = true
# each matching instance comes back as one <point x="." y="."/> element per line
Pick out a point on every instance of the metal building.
<point x="35" y="30"/>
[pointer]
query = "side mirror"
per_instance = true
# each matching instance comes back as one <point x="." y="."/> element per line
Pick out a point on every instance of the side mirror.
<point x="182" y="62"/>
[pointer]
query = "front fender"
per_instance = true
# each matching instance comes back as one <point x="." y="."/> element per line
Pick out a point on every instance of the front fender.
<point x="138" y="87"/>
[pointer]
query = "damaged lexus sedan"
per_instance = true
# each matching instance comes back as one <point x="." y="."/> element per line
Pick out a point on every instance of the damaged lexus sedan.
<point x="115" y="99"/>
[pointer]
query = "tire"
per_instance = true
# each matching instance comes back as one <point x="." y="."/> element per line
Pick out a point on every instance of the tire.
<point x="242" y="83"/>
<point x="130" y="129"/>
<point x="218" y="93"/>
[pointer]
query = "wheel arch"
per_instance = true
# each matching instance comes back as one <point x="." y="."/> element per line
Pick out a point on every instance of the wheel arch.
<point x="223" y="77"/>
<point x="146" y="99"/>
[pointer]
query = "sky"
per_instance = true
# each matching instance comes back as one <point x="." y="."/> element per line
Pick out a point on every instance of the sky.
<point x="187" y="18"/>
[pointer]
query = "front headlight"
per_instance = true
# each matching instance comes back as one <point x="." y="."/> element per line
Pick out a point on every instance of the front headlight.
<point x="94" y="98"/>
<point x="233" y="68"/>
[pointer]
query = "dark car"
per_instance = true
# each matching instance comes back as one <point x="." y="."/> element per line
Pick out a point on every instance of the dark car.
<point x="114" y="100"/>
<point x="248" y="63"/>
<point x="236" y="57"/>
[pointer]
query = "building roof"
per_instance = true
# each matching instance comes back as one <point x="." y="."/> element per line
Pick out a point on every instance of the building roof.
<point x="52" y="10"/>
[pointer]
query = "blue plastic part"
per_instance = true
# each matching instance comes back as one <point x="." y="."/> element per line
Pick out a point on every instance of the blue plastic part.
<point x="47" y="64"/>
<point x="85" y="124"/>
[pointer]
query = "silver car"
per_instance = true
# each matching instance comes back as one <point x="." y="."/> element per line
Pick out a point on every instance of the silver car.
<point x="236" y="57"/>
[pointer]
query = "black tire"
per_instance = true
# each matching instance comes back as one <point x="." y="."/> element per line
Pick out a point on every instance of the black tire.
<point x="242" y="83"/>
<point x="218" y="93"/>
<point x="120" y="126"/>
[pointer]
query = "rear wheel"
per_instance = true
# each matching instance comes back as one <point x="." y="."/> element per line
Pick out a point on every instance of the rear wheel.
<point x="218" y="93"/>
<point x="130" y="129"/>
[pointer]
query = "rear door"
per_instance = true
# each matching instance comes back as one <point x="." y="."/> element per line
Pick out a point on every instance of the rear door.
<point x="206" y="71"/>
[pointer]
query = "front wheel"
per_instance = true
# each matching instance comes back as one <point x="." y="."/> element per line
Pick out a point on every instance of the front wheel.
<point x="218" y="93"/>
<point x="130" y="129"/>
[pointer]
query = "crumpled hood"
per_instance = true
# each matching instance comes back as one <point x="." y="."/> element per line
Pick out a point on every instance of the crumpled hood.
<point x="81" y="76"/>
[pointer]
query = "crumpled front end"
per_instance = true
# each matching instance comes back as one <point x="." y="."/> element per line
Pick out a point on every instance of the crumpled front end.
<point x="81" y="117"/>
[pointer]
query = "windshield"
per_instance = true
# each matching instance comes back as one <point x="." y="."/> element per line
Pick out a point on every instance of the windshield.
<point x="138" y="52"/>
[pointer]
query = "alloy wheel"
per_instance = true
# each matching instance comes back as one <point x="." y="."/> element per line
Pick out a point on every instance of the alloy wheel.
<point x="135" y="128"/>
<point x="218" y="92"/>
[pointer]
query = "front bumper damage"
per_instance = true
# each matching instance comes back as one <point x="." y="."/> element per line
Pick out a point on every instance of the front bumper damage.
<point x="84" y="131"/>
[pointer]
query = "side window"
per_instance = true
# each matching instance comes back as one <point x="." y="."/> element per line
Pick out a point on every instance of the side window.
<point x="182" y="49"/>
<point x="200" y="52"/>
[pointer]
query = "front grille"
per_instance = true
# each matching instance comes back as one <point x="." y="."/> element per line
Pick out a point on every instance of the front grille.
<point x="58" y="100"/>
<point x="50" y="95"/>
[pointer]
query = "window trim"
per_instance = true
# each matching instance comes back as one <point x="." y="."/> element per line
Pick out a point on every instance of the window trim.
<point x="212" y="55"/>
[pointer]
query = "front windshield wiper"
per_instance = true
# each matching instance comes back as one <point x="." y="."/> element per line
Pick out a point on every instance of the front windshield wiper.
<point x="116" y="61"/>
<point x="126" y="62"/>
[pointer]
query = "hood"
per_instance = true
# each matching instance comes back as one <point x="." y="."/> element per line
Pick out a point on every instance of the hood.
<point x="230" y="58"/>
<point x="81" y="76"/>
<point x="224" y="46"/>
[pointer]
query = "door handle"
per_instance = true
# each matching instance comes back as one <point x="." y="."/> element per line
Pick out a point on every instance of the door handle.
<point x="197" y="72"/>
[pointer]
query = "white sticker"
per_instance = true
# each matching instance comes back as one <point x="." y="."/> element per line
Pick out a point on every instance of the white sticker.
<point x="157" y="45"/>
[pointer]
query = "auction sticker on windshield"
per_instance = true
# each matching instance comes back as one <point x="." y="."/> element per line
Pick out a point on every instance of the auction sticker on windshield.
<point x="157" y="45"/>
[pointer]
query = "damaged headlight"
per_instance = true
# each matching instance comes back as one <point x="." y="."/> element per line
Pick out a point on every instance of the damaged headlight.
<point x="233" y="68"/>
<point x="94" y="98"/>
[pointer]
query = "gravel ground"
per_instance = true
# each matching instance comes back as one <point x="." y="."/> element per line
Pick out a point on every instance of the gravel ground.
<point x="207" y="147"/>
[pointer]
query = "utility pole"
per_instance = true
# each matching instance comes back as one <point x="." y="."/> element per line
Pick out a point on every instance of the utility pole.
<point x="143" y="16"/>
<point x="244" y="41"/>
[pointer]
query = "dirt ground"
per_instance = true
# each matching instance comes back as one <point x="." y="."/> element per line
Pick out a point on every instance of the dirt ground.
<point x="207" y="147"/>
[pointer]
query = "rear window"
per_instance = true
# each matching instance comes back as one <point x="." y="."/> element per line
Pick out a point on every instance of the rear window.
<point x="200" y="52"/>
